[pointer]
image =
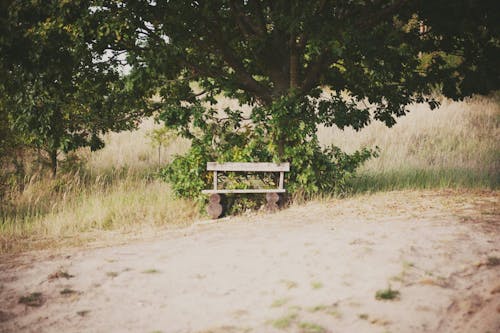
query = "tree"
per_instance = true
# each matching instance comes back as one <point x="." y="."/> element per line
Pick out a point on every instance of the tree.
<point x="300" y="64"/>
<point x="62" y="90"/>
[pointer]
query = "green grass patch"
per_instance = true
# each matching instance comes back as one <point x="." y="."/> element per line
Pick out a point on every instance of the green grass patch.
<point x="34" y="299"/>
<point x="285" y="321"/>
<point x="493" y="261"/>
<point x="413" y="178"/>
<point x="307" y="327"/>
<point x="279" y="302"/>
<point x="112" y="274"/>
<point x="316" y="285"/>
<point x="151" y="271"/>
<point x="387" y="294"/>
<point x="67" y="291"/>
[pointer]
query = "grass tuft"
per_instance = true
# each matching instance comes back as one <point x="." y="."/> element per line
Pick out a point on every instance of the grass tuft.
<point x="34" y="299"/>
<point x="307" y="327"/>
<point x="67" y="291"/>
<point x="387" y="294"/>
<point x="60" y="275"/>
<point x="316" y="285"/>
<point x="493" y="261"/>
<point x="285" y="321"/>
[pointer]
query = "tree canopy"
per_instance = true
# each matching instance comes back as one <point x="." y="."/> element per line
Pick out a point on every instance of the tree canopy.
<point x="298" y="64"/>
<point x="259" y="51"/>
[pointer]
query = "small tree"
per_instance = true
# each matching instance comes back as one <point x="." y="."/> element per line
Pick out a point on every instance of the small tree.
<point x="62" y="90"/>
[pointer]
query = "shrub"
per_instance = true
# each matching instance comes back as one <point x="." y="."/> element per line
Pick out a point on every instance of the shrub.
<point x="282" y="132"/>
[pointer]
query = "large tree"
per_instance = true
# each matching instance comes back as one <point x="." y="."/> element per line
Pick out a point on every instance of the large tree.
<point x="301" y="64"/>
<point x="298" y="63"/>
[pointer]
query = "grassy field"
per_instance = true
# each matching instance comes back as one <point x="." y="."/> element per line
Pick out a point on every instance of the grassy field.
<point x="456" y="146"/>
<point x="115" y="189"/>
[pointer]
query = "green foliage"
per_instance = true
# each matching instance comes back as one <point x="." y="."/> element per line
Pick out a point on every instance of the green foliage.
<point x="313" y="169"/>
<point x="59" y="92"/>
<point x="298" y="67"/>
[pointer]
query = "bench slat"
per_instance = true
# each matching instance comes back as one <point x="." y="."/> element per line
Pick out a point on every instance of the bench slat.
<point x="248" y="167"/>
<point x="250" y="190"/>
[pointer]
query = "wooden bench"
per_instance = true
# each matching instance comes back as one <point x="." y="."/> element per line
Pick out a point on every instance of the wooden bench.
<point x="214" y="208"/>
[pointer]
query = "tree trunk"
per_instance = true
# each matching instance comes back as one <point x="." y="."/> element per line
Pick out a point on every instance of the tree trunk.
<point x="294" y="64"/>
<point x="293" y="84"/>
<point x="53" y="162"/>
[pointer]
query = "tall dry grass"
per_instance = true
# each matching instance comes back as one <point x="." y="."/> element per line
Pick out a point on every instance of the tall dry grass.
<point x="115" y="190"/>
<point x="112" y="190"/>
<point x="456" y="145"/>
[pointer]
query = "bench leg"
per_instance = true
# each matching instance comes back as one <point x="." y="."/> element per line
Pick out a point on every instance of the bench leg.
<point x="272" y="202"/>
<point x="214" y="208"/>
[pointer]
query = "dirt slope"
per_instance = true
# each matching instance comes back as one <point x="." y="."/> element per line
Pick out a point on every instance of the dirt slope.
<point x="310" y="268"/>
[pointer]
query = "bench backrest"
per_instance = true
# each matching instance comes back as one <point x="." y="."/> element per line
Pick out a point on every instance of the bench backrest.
<point x="248" y="167"/>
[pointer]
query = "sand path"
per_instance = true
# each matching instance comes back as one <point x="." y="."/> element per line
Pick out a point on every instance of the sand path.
<point x="311" y="268"/>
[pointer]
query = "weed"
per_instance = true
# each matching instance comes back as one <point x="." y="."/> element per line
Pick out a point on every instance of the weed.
<point x="285" y="321"/>
<point x="59" y="275"/>
<point x="67" y="291"/>
<point x="83" y="313"/>
<point x="34" y="299"/>
<point x="387" y="294"/>
<point x="408" y="265"/>
<point x="316" y="285"/>
<point x="334" y="313"/>
<point x="151" y="271"/>
<point x="317" y="308"/>
<point x="493" y="261"/>
<point x="289" y="284"/>
<point x="307" y="327"/>
<point x="363" y="316"/>
<point x="112" y="274"/>
<point x="279" y="302"/>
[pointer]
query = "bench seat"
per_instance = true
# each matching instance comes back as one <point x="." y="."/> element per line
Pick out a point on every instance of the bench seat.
<point x="249" y="190"/>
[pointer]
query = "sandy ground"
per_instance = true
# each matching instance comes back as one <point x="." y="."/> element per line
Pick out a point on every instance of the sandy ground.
<point x="311" y="268"/>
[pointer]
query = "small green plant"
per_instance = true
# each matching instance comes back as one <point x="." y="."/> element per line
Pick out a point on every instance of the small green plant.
<point x="112" y="274"/>
<point x="83" y="313"/>
<point x="316" y="285"/>
<point x="307" y="327"/>
<point x="285" y="321"/>
<point x="151" y="271"/>
<point x="317" y="308"/>
<point x="334" y="313"/>
<point x="363" y="316"/>
<point x="493" y="261"/>
<point x="60" y="274"/>
<point x="67" y="291"/>
<point x="279" y="302"/>
<point x="289" y="284"/>
<point x="34" y="299"/>
<point x="387" y="294"/>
